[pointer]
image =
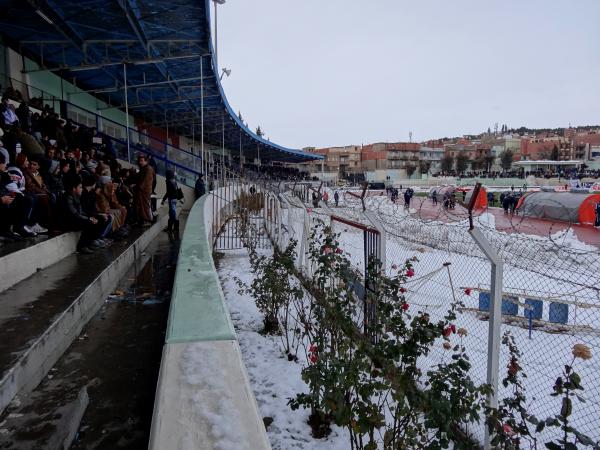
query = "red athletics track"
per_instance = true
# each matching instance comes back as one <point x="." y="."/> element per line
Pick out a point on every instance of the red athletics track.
<point x="506" y="222"/>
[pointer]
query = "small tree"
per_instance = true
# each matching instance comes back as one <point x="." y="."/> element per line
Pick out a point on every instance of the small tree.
<point x="424" y="166"/>
<point x="447" y="163"/>
<point x="462" y="161"/>
<point x="410" y="170"/>
<point x="554" y="156"/>
<point x="506" y="159"/>
<point x="271" y="286"/>
<point x="488" y="160"/>
<point x="479" y="163"/>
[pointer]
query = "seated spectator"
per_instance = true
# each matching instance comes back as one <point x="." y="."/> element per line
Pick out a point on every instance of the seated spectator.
<point x="75" y="219"/>
<point x="88" y="205"/>
<point x="53" y="177"/>
<point x="15" y="208"/>
<point x="8" y="117"/>
<point x="35" y="188"/>
<point x="107" y="203"/>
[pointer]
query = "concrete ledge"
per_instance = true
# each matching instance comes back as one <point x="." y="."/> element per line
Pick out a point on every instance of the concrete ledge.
<point x="17" y="266"/>
<point x="204" y="400"/>
<point x="198" y="311"/>
<point x="43" y="353"/>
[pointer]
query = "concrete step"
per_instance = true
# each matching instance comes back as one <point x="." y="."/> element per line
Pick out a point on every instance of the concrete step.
<point x="20" y="260"/>
<point x="56" y="420"/>
<point x="100" y="393"/>
<point x="43" y="314"/>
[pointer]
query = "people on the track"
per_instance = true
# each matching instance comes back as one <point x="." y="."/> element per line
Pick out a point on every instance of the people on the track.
<point x="325" y="197"/>
<point x="408" y="195"/>
<point x="336" y="198"/>
<point x="434" y="198"/>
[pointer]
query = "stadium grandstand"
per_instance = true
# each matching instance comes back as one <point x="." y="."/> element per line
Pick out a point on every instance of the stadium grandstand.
<point x="107" y="109"/>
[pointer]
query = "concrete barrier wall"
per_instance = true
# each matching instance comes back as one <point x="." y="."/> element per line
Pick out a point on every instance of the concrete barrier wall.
<point x="17" y="266"/>
<point x="203" y="398"/>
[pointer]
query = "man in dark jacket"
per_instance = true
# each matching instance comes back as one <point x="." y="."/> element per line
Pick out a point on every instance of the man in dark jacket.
<point x="75" y="218"/>
<point x="172" y="196"/>
<point x="200" y="187"/>
<point x="88" y="205"/>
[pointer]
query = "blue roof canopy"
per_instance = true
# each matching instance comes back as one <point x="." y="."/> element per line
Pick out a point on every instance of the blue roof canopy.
<point x="166" y="47"/>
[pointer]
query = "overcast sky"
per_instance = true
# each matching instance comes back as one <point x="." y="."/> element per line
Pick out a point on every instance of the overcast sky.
<point x="337" y="72"/>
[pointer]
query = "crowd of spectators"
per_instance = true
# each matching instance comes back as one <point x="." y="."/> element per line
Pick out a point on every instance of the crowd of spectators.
<point x="56" y="176"/>
<point x="571" y="173"/>
<point x="276" y="173"/>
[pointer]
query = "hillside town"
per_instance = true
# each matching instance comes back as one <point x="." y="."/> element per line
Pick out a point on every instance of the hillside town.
<point x="494" y="154"/>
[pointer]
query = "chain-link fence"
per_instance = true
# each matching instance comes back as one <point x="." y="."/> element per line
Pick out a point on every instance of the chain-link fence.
<point x="550" y="287"/>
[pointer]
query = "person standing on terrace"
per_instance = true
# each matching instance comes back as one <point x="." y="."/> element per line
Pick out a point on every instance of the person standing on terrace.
<point x="143" y="191"/>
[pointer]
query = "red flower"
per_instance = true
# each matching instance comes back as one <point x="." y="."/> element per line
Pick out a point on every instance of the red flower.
<point x="339" y="251"/>
<point x="394" y="266"/>
<point x="309" y="210"/>
<point x="402" y="290"/>
<point x="312" y="348"/>
<point x="410" y="273"/>
<point x="405" y="306"/>
<point x="313" y="358"/>
<point x="447" y="331"/>
<point x="508" y="430"/>
<point x="468" y="291"/>
<point x="326" y="250"/>
<point x="453" y="328"/>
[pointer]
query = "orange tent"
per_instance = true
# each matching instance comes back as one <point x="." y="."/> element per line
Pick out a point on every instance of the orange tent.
<point x="480" y="201"/>
<point x="563" y="206"/>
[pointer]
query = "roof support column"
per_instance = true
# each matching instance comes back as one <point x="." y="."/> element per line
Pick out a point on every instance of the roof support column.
<point x="126" y="112"/>
<point x="204" y="168"/>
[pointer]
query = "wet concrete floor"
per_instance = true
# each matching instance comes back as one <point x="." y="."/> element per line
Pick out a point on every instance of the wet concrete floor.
<point x="117" y="357"/>
<point x="28" y="308"/>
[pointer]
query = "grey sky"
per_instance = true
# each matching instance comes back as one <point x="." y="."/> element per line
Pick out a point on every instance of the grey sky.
<point x="337" y="72"/>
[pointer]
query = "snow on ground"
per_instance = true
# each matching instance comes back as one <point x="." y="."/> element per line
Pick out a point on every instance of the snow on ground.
<point x="273" y="378"/>
<point x="212" y="399"/>
<point x="557" y="268"/>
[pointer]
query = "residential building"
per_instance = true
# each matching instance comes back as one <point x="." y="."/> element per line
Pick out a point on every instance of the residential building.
<point x="431" y="155"/>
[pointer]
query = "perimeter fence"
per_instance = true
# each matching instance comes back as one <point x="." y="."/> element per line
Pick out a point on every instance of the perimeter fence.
<point x="549" y="287"/>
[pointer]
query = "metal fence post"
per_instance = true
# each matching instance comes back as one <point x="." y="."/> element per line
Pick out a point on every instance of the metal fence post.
<point x="304" y="245"/>
<point x="494" y="323"/>
<point x="382" y="238"/>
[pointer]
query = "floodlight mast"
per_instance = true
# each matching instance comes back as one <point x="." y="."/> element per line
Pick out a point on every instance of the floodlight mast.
<point x="217" y="2"/>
